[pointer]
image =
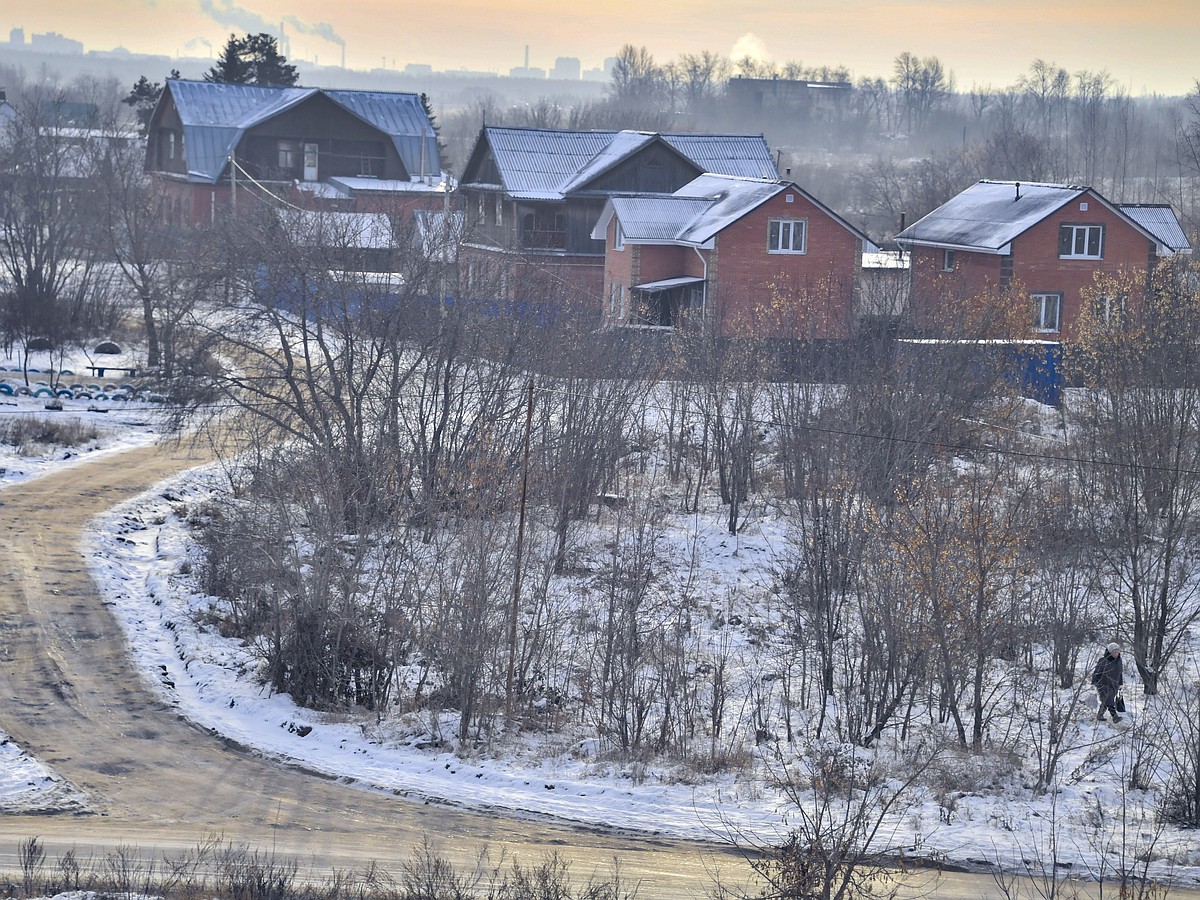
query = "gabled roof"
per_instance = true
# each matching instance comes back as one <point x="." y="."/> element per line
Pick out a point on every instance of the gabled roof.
<point x="546" y="164"/>
<point x="989" y="215"/>
<point x="699" y="211"/>
<point x="1160" y="220"/>
<point x="215" y="116"/>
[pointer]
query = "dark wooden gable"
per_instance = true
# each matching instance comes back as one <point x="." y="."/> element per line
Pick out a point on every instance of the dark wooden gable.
<point x="481" y="168"/>
<point x="347" y="146"/>
<point x="655" y="169"/>
<point x="165" y="129"/>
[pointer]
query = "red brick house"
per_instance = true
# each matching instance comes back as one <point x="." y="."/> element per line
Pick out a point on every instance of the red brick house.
<point x="363" y="151"/>
<point x="1049" y="242"/>
<point x="757" y="257"/>
<point x="532" y="196"/>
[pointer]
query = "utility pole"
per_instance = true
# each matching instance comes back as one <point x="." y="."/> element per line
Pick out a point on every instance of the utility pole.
<point x="516" y="595"/>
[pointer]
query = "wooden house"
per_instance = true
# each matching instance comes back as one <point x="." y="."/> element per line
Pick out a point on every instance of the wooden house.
<point x="215" y="145"/>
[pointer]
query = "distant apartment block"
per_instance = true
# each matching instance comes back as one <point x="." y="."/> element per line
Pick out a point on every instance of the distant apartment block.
<point x="566" y="68"/>
<point x="53" y="42"/>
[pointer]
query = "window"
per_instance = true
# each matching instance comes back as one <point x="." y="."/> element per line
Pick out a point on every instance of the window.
<point x="482" y="208"/>
<point x="1109" y="310"/>
<point x="618" y="237"/>
<point x="499" y="209"/>
<point x="947" y="260"/>
<point x="1047" y="309"/>
<point x="786" y="236"/>
<point x="170" y="145"/>
<point x="1080" y="241"/>
<point x="289" y="155"/>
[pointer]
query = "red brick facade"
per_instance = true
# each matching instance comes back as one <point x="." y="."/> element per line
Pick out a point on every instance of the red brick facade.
<point x="748" y="289"/>
<point x="1034" y="267"/>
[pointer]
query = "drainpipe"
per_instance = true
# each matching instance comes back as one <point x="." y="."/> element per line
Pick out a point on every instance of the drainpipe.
<point x="704" y="287"/>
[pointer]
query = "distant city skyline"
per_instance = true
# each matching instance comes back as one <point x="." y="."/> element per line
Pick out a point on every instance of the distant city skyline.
<point x="1147" y="48"/>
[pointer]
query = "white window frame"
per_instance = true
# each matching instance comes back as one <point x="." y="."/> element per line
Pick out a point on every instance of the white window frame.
<point x="1081" y="238"/>
<point x="499" y="209"/>
<point x="618" y="236"/>
<point x="781" y="236"/>
<point x="1041" y="301"/>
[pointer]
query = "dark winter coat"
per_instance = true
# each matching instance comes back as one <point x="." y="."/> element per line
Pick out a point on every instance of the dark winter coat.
<point x="1107" y="676"/>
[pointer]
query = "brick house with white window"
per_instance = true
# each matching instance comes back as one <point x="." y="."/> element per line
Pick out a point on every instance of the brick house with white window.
<point x="756" y="257"/>
<point x="531" y="197"/>
<point x="1050" y="242"/>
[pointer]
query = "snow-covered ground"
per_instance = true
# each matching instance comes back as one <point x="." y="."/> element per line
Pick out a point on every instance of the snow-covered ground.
<point x="142" y="554"/>
<point x="129" y="421"/>
<point x="26" y="785"/>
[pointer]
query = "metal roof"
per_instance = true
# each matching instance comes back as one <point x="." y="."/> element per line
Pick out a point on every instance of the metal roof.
<point x="215" y="116"/>
<point x="988" y="215"/>
<point x="545" y="164"/>
<point x="652" y="287"/>
<point x="654" y="218"/>
<point x="700" y="210"/>
<point x="1159" y="219"/>
<point x="743" y="155"/>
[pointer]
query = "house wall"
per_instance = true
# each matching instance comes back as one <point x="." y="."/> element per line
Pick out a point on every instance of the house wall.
<point x="166" y="123"/>
<point x="346" y="144"/>
<point x="939" y="298"/>
<point x="1035" y="268"/>
<point x="1127" y="253"/>
<point x="785" y="295"/>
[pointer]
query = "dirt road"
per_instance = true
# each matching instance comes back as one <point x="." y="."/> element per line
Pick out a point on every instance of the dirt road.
<point x="70" y="696"/>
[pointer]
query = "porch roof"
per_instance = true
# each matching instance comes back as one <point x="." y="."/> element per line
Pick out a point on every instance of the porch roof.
<point x="653" y="287"/>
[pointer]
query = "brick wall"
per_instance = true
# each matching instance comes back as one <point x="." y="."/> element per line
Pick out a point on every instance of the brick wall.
<point x="1036" y="268"/>
<point x="785" y="295"/>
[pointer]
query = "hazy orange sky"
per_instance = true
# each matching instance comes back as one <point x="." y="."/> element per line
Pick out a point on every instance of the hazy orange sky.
<point x="1147" y="45"/>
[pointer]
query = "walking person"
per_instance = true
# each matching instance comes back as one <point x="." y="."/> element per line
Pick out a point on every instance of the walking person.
<point x="1108" y="677"/>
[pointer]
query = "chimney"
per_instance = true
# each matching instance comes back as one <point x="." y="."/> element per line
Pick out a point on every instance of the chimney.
<point x="1018" y="197"/>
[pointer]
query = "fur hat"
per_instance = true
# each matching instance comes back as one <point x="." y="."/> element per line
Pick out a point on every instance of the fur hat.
<point x="1113" y="648"/>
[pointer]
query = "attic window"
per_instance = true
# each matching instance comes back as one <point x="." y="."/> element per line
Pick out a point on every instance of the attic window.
<point x="1081" y="242"/>
<point x="790" y="198"/>
<point x="787" y="236"/>
<point x="1083" y="206"/>
<point x="947" y="260"/>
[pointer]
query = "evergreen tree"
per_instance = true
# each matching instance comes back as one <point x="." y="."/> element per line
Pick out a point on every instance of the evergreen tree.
<point x="143" y="97"/>
<point x="437" y="132"/>
<point x="231" y="67"/>
<point x="253" y="59"/>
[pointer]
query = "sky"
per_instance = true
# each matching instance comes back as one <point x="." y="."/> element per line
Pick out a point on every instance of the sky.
<point x="1148" y="47"/>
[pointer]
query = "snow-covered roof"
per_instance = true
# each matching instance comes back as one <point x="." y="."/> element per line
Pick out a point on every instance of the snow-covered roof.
<point x="546" y="164"/>
<point x="1160" y="220"/>
<point x="344" y="230"/>
<point x="362" y="184"/>
<point x="215" y="116"/>
<point x="989" y="215"/>
<point x="699" y="211"/>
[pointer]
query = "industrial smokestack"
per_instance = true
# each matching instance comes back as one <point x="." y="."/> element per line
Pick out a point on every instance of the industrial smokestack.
<point x="527" y="59"/>
<point x="343" y="56"/>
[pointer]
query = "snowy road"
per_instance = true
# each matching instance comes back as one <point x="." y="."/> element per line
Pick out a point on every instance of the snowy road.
<point x="70" y="696"/>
